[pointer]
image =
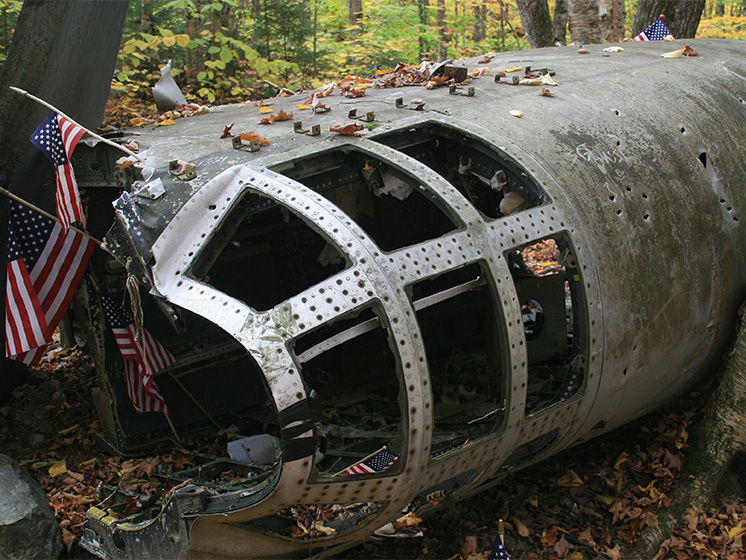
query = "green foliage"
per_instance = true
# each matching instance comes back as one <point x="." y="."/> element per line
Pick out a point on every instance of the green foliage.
<point x="8" y="18"/>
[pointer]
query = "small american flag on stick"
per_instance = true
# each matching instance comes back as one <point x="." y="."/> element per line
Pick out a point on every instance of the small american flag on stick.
<point x="142" y="359"/>
<point x="376" y="462"/>
<point x="45" y="266"/>
<point x="57" y="137"/>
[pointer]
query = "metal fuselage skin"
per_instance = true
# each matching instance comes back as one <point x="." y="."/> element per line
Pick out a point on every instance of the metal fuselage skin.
<point x="635" y="167"/>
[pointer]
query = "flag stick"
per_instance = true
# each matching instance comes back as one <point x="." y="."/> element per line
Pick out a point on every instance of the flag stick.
<point x="195" y="401"/>
<point x="48" y="215"/>
<point x="93" y="134"/>
<point x="171" y="425"/>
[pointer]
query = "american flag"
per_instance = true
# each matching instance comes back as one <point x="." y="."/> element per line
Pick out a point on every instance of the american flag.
<point x="657" y="31"/>
<point x="57" y="137"/>
<point x="378" y="462"/>
<point x="45" y="265"/>
<point x="142" y="359"/>
<point x="498" y="550"/>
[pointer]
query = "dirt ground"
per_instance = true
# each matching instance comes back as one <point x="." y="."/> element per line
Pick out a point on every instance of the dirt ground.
<point x="589" y="502"/>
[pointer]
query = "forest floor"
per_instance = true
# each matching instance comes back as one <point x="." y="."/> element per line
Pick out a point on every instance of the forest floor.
<point x="589" y="502"/>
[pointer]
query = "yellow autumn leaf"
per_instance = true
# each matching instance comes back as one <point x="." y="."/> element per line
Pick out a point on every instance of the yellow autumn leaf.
<point x="513" y="69"/>
<point x="266" y="110"/>
<point x="167" y="122"/>
<point x="673" y="54"/>
<point x="570" y="480"/>
<point x="516" y="113"/>
<point x="138" y="121"/>
<point x="302" y="107"/>
<point x="169" y="41"/>
<point x="182" y="40"/>
<point x="58" y="468"/>
<point x="520" y="527"/>
<point x="734" y="532"/>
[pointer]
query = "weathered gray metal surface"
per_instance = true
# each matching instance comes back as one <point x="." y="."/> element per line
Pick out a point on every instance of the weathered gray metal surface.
<point x="636" y="167"/>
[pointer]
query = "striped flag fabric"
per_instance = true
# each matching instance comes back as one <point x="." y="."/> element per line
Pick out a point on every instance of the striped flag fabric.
<point x="378" y="462"/>
<point x="44" y="267"/>
<point x="656" y="31"/>
<point x="57" y="137"/>
<point x="142" y="358"/>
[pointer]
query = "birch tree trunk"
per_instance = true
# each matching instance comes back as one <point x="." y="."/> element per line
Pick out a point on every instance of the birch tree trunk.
<point x="585" y="26"/>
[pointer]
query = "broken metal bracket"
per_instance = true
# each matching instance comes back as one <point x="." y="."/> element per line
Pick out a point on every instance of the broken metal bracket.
<point x="456" y="90"/>
<point x="252" y="146"/>
<point x="315" y="129"/>
<point x="370" y="116"/>
<point x="418" y="104"/>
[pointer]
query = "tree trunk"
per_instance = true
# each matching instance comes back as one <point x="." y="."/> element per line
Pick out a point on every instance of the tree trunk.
<point x="355" y="16"/>
<point x="561" y="8"/>
<point x="612" y="17"/>
<point x="720" y="8"/>
<point x="194" y="57"/>
<point x="146" y="18"/>
<point x="422" y="8"/>
<point x="480" y="22"/>
<point x="537" y="22"/>
<point x="442" y="32"/>
<point x="585" y="26"/>
<point x="682" y="17"/>
<point x="713" y="442"/>
<point x="53" y="57"/>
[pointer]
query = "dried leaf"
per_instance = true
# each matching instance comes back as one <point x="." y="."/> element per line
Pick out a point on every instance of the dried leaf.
<point x="253" y="136"/>
<point x="562" y="547"/>
<point x="58" y="468"/>
<point x="520" y="527"/>
<point x="513" y="69"/>
<point x="469" y="547"/>
<point x="547" y="80"/>
<point x="530" y="82"/>
<point x="266" y="110"/>
<point x="673" y="54"/>
<point x="734" y="532"/>
<point x="409" y="520"/>
<point x="323" y="529"/>
<point x="227" y="131"/>
<point x="347" y="129"/>
<point x="613" y="553"/>
<point x="613" y="49"/>
<point x="353" y="93"/>
<point x="583" y="51"/>
<point x="266" y="120"/>
<point x="570" y="480"/>
<point x="282" y="116"/>
<point x="516" y="113"/>
<point x="139" y="121"/>
<point x="546" y="93"/>
<point x="167" y="122"/>
<point x="302" y="107"/>
<point x="689" y="51"/>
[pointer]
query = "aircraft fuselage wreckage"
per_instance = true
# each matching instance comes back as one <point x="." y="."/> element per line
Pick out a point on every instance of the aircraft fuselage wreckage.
<point x="371" y="323"/>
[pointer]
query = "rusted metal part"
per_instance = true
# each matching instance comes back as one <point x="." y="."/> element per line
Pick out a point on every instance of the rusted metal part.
<point x="346" y="295"/>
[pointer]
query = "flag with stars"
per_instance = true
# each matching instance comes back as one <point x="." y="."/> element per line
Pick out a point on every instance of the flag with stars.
<point x="142" y="358"/>
<point x="498" y="550"/>
<point x="44" y="267"/>
<point x="57" y="137"/>
<point x="657" y="31"/>
<point x="378" y="462"/>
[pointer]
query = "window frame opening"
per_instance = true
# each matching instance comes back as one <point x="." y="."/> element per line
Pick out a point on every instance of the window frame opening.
<point x="391" y="205"/>
<point x="482" y="174"/>
<point x="476" y="385"/>
<point x="358" y="342"/>
<point x="556" y="337"/>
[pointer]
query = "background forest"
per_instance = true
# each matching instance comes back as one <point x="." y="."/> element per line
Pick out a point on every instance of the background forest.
<point x="230" y="50"/>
